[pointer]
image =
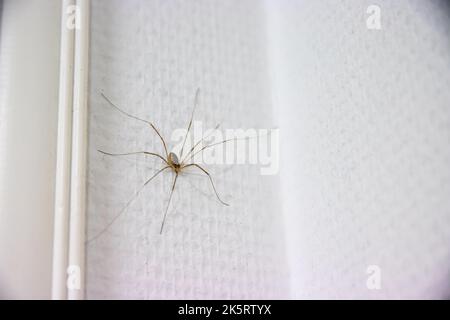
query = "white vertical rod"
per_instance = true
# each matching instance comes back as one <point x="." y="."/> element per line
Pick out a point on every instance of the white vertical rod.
<point x="79" y="151"/>
<point x="62" y="183"/>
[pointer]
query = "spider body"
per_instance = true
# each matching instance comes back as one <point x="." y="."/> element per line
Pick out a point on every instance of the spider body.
<point x="174" y="163"/>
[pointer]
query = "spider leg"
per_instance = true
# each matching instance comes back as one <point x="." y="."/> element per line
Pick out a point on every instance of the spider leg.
<point x="210" y="179"/>
<point x="190" y="122"/>
<point x="195" y="145"/>
<point x="217" y="143"/>
<point x="138" y="152"/>
<point x="126" y="206"/>
<point x="139" y="119"/>
<point x="168" y="203"/>
<point x="222" y="142"/>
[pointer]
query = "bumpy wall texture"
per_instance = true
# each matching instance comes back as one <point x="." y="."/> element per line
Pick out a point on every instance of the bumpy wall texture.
<point x="364" y="120"/>
<point x="150" y="57"/>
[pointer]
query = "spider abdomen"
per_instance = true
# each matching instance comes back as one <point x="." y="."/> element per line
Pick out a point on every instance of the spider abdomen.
<point x="173" y="161"/>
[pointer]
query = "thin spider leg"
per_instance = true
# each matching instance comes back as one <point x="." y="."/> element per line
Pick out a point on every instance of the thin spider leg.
<point x="221" y="142"/>
<point x="215" y="144"/>
<point x="190" y="122"/>
<point x="131" y="153"/>
<point x="139" y="119"/>
<point x="210" y="179"/>
<point x="126" y="206"/>
<point x="168" y="203"/>
<point x="201" y="140"/>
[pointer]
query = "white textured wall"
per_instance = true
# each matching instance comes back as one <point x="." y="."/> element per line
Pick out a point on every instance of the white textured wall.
<point x="365" y="118"/>
<point x="149" y="57"/>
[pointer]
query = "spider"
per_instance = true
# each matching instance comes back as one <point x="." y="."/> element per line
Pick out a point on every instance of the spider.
<point x="170" y="160"/>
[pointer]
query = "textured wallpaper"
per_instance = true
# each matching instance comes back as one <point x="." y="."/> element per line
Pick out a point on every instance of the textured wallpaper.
<point x="149" y="57"/>
<point x="364" y="118"/>
<point x="365" y="113"/>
